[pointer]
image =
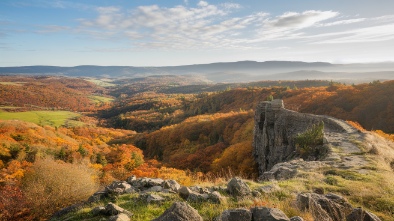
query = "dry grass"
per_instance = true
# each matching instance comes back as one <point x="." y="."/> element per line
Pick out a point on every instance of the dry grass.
<point x="52" y="185"/>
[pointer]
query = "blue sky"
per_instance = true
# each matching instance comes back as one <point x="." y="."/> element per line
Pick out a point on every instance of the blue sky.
<point x="175" y="32"/>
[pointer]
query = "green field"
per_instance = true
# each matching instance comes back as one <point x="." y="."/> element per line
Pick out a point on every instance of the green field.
<point x="100" y="99"/>
<point x="12" y="83"/>
<point x="102" y="83"/>
<point x="51" y="118"/>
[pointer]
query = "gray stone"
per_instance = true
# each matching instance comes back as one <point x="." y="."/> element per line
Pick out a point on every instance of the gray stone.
<point x="184" y="192"/>
<point x="112" y="209"/>
<point x="324" y="207"/>
<point x="358" y="214"/>
<point x="216" y="197"/>
<point x="172" y="185"/>
<point x="256" y="193"/>
<point x="237" y="187"/>
<point x="268" y="214"/>
<point x="152" y="198"/>
<point x="154" y="189"/>
<point x="98" y="210"/>
<point x="180" y="211"/>
<point x="296" y="218"/>
<point x="119" y="217"/>
<point x="119" y="187"/>
<point x="97" y="196"/>
<point x="274" y="136"/>
<point x="197" y="197"/>
<point x="131" y="179"/>
<point x="240" y="214"/>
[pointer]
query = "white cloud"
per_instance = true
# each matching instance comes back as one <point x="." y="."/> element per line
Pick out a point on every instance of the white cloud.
<point x="296" y="20"/>
<point x="368" y="34"/>
<point x="208" y="26"/>
<point x="343" y="22"/>
<point x="202" y="3"/>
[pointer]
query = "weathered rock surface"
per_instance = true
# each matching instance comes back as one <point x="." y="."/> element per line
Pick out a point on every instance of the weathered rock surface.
<point x="112" y="209"/>
<point x="119" y="187"/>
<point x="119" y="217"/>
<point x="171" y="185"/>
<point x="237" y="187"/>
<point x="328" y="207"/>
<point x="184" y="192"/>
<point x="240" y="214"/>
<point x="296" y="218"/>
<point x="268" y="214"/>
<point x="180" y="211"/>
<point x="358" y="214"/>
<point x="275" y="131"/>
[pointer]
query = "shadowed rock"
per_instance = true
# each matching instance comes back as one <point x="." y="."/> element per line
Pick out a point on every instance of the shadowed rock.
<point x="240" y="214"/>
<point x="237" y="187"/>
<point x="358" y="214"/>
<point x="268" y="214"/>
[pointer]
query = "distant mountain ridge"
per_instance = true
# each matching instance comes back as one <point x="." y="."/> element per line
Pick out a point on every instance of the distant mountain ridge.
<point x="241" y="71"/>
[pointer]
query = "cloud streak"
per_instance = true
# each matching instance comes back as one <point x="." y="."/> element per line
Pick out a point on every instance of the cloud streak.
<point x="208" y="26"/>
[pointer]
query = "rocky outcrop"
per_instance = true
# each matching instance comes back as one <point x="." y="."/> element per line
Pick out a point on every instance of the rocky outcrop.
<point x="275" y="131"/>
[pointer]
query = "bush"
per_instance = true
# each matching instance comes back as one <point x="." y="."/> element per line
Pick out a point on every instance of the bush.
<point x="309" y="144"/>
<point x="51" y="185"/>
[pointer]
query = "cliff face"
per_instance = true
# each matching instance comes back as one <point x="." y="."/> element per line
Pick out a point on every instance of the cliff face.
<point x="275" y="131"/>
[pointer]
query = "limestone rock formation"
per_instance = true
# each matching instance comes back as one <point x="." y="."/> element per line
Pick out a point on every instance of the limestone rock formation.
<point x="275" y="131"/>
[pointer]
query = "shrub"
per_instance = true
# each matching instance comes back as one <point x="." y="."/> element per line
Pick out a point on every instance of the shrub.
<point x="51" y="185"/>
<point x="309" y="144"/>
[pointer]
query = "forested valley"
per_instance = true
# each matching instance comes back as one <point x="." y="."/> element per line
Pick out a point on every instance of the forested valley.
<point x="89" y="132"/>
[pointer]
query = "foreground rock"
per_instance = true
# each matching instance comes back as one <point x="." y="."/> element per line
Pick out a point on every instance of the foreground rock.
<point x="240" y="214"/>
<point x="268" y="214"/>
<point x="237" y="187"/>
<point x="328" y="207"/>
<point x="180" y="211"/>
<point x="361" y="215"/>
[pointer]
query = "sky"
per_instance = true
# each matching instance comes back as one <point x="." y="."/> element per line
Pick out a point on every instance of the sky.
<point x="180" y="32"/>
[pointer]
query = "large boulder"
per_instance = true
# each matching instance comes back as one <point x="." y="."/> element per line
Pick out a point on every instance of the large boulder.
<point x="268" y="214"/>
<point x="329" y="207"/>
<point x="240" y="214"/>
<point x="180" y="211"/>
<point x="237" y="187"/>
<point x="359" y="214"/>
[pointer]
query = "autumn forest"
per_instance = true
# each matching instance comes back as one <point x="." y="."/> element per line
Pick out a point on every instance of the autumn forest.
<point x="101" y="130"/>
